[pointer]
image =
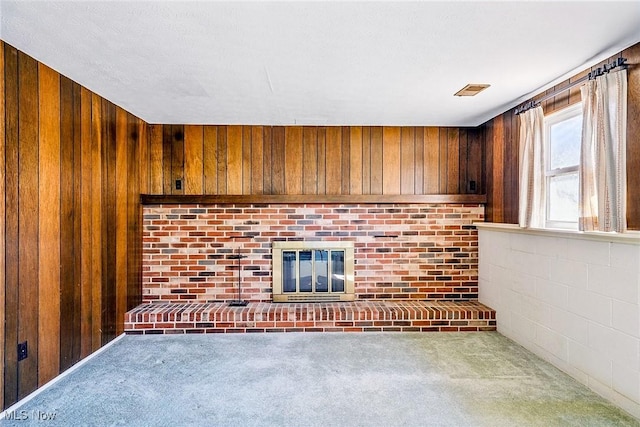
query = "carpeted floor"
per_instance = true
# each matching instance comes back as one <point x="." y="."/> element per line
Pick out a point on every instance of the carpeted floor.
<point x="323" y="379"/>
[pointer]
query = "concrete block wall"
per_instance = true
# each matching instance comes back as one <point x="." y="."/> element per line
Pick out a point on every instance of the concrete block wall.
<point x="402" y="251"/>
<point x="571" y="298"/>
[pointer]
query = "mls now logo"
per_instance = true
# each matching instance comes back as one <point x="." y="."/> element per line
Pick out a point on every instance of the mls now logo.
<point x="30" y="415"/>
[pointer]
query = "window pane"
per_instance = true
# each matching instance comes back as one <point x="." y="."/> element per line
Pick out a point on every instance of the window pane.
<point x="565" y="143"/>
<point x="288" y="271"/>
<point x="337" y="271"/>
<point x="563" y="198"/>
<point x="306" y="271"/>
<point x="322" y="271"/>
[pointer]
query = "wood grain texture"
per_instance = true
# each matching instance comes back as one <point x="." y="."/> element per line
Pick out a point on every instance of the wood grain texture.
<point x="59" y="214"/>
<point x="210" y="159"/>
<point x="68" y="247"/>
<point x="278" y="161"/>
<point x="234" y="159"/>
<point x="12" y="240"/>
<point x="391" y="155"/>
<point x="257" y="160"/>
<point x="310" y="160"/>
<point x="49" y="217"/>
<point x="431" y="160"/>
<point x="177" y="158"/>
<point x="453" y="161"/>
<point x="122" y="181"/>
<point x="407" y="160"/>
<point x="222" y="161"/>
<point x="293" y="153"/>
<point x="333" y="164"/>
<point x="345" y="173"/>
<point x="2" y="224"/>
<point x="97" y="222"/>
<point x="86" y="278"/>
<point x="633" y="138"/>
<point x="193" y="159"/>
<point x="156" y="159"/>
<point x="355" y="160"/>
<point x="28" y="230"/>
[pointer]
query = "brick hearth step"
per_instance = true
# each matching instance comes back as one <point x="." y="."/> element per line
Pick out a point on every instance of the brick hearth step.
<point x="358" y="316"/>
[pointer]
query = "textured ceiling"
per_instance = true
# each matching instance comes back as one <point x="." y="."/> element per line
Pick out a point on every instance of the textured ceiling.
<point x="333" y="63"/>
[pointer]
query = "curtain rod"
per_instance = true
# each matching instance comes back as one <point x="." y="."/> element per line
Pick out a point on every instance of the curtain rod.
<point x="620" y="62"/>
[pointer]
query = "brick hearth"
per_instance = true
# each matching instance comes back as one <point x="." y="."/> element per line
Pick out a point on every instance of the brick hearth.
<point x="359" y="316"/>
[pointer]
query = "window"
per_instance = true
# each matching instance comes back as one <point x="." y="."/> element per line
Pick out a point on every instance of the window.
<point x="563" y="133"/>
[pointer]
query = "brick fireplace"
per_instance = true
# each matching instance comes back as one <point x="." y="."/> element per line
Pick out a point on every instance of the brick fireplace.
<point x="402" y="251"/>
<point x="415" y="267"/>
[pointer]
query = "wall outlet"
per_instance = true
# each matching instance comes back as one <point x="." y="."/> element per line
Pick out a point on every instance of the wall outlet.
<point x="22" y="351"/>
<point x="178" y="184"/>
<point x="472" y="186"/>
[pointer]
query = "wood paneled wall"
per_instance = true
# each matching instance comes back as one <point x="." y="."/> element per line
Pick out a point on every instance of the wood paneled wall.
<point x="501" y="140"/>
<point x="70" y="225"/>
<point x="351" y="160"/>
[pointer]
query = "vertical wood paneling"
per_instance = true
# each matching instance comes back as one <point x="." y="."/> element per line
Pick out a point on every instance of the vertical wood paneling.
<point x="392" y="166"/>
<point x="293" y="154"/>
<point x="60" y="213"/>
<point x="345" y="174"/>
<point x="234" y="160"/>
<point x="121" y="177"/>
<point x="431" y="160"/>
<point x="444" y="160"/>
<point x="210" y="161"/>
<point x="366" y="160"/>
<point x="167" y="160"/>
<point x="76" y="291"/>
<point x="355" y="160"/>
<point x="633" y="137"/>
<point x="49" y="217"/>
<point x="267" y="164"/>
<point x="310" y="160"/>
<point x="144" y="157"/>
<point x="97" y="220"/>
<point x="322" y="160"/>
<point x="246" y="160"/>
<point x="67" y="246"/>
<point x="278" y="161"/>
<point x="177" y="158"/>
<point x="193" y="159"/>
<point x="257" y="160"/>
<point x="333" y="153"/>
<point x="497" y="172"/>
<point x="109" y="318"/>
<point x="376" y="163"/>
<point x="156" y="159"/>
<point x="2" y="225"/>
<point x="419" y="161"/>
<point x="28" y="229"/>
<point x="133" y="230"/>
<point x="407" y="160"/>
<point x="11" y="226"/>
<point x="86" y="279"/>
<point x="222" y="160"/>
<point x="453" y="161"/>
<point x="475" y="161"/>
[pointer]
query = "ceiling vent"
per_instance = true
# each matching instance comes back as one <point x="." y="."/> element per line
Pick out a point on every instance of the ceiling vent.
<point x="471" y="89"/>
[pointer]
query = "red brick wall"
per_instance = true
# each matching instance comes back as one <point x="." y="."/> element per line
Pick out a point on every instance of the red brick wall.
<point x="402" y="251"/>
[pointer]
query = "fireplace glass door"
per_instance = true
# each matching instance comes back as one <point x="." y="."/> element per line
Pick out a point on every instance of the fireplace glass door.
<point x="313" y="271"/>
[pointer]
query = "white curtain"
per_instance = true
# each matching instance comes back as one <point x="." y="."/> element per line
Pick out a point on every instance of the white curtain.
<point x="531" y="211"/>
<point x="603" y="177"/>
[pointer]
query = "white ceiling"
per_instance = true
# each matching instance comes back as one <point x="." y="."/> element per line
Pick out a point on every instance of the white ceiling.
<point x="333" y="63"/>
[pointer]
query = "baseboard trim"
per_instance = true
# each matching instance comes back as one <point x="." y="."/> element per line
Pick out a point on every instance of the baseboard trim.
<point x="78" y="365"/>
